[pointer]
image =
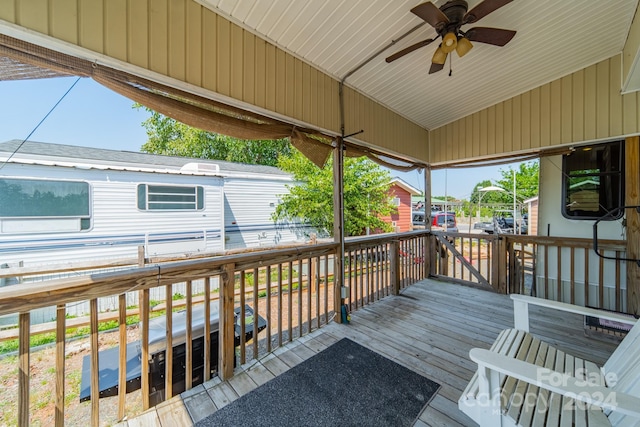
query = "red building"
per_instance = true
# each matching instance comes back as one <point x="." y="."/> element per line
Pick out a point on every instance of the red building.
<point x="401" y="193"/>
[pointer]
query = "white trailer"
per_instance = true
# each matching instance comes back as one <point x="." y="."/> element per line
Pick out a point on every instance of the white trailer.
<point x="61" y="204"/>
<point x="575" y="190"/>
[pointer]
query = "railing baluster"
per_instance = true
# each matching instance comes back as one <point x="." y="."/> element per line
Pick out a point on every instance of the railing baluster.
<point x="95" y="368"/>
<point x="376" y="271"/>
<point x="617" y="282"/>
<point x="60" y="362"/>
<point x="300" y="270"/>
<point x="310" y="285"/>
<point x="280" y="305"/>
<point x="546" y="271"/>
<point x="559" y="273"/>
<point x="207" y="329"/>
<point x="522" y="269"/>
<point x="572" y="269"/>
<point x="188" y="345"/>
<point x="24" y="322"/>
<point x="318" y="280"/>
<point x="479" y="255"/>
<point x="326" y="289"/>
<point x="358" y="278"/>
<point x="601" y="283"/>
<point x="122" y="365"/>
<point x="290" y="302"/>
<point x="243" y="326"/>
<point x="256" y="280"/>
<point x="462" y="239"/>
<point x="534" y="266"/>
<point x="587" y="298"/>
<point x="415" y="258"/>
<point x="168" y="353"/>
<point x="268" y="304"/>
<point x="144" y="344"/>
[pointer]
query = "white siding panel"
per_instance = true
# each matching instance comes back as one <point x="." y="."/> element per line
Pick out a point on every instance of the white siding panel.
<point x="249" y="205"/>
<point x="118" y="227"/>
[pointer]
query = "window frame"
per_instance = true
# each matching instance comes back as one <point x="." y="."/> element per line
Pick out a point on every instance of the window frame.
<point x="86" y="220"/>
<point x="145" y="205"/>
<point x="617" y="172"/>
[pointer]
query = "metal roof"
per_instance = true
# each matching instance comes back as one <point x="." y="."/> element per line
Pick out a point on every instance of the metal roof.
<point x="554" y="38"/>
<point x="51" y="152"/>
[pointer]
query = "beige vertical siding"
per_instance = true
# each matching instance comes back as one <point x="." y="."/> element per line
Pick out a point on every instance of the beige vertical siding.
<point x="631" y="48"/>
<point x="189" y="43"/>
<point x="584" y="106"/>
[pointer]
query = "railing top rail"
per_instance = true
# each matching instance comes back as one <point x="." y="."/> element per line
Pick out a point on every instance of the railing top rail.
<point x="23" y="298"/>
<point x="484" y="236"/>
<point x="376" y="239"/>
<point x="566" y="241"/>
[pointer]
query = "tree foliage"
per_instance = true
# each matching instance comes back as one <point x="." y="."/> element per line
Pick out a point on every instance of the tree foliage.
<point x="366" y="184"/>
<point x="526" y="181"/>
<point x="366" y="197"/>
<point x="526" y="185"/>
<point x="170" y="137"/>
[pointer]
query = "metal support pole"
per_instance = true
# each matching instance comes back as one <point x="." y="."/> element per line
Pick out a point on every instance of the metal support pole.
<point x="338" y="224"/>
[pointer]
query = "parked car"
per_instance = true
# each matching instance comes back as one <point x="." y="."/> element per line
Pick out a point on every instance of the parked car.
<point x="440" y="221"/>
<point x="503" y="223"/>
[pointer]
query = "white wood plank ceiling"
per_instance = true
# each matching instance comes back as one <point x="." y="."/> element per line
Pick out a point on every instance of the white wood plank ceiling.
<point x="554" y="38"/>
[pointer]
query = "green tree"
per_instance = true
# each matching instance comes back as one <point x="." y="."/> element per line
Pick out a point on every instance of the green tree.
<point x="526" y="182"/>
<point x="366" y="197"/>
<point x="526" y="185"/>
<point x="169" y="137"/>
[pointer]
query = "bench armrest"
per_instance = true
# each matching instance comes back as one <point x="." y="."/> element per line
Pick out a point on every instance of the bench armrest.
<point x="555" y="382"/>
<point x="521" y="311"/>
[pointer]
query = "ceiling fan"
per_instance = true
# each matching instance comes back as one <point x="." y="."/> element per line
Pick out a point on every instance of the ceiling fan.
<point x="448" y="20"/>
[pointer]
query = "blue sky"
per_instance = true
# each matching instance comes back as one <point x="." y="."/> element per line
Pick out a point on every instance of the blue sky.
<point x="93" y="116"/>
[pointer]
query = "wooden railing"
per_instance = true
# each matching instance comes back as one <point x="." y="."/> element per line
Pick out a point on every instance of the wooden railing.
<point x="379" y="266"/>
<point x="265" y="299"/>
<point x="568" y="270"/>
<point x="557" y="268"/>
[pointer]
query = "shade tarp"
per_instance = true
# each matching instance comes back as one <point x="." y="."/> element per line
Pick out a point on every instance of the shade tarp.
<point x="22" y="60"/>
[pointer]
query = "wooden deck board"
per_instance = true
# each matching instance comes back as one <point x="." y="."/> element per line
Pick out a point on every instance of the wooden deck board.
<point x="429" y="329"/>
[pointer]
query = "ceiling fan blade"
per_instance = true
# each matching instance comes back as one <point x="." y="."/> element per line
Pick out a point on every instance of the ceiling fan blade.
<point x="494" y="36"/>
<point x="483" y="9"/>
<point x="407" y="50"/>
<point x="435" y="68"/>
<point x="431" y="14"/>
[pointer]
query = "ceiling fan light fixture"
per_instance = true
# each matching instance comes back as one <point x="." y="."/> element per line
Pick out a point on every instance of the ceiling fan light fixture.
<point x="439" y="56"/>
<point x="463" y="47"/>
<point x="449" y="42"/>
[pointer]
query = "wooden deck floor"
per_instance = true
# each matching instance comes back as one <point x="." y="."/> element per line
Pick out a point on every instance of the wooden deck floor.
<point x="430" y="329"/>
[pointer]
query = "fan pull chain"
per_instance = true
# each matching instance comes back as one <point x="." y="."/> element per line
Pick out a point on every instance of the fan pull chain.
<point x="450" y="61"/>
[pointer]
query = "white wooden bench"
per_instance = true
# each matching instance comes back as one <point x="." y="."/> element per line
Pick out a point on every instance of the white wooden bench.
<point x="523" y="381"/>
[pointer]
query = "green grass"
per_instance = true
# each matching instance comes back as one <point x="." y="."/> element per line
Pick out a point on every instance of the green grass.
<point x="50" y="337"/>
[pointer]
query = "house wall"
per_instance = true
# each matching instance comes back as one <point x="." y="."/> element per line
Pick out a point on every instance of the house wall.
<point x="533" y="217"/>
<point x="200" y="51"/>
<point x="402" y="217"/>
<point x="584" y="106"/>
